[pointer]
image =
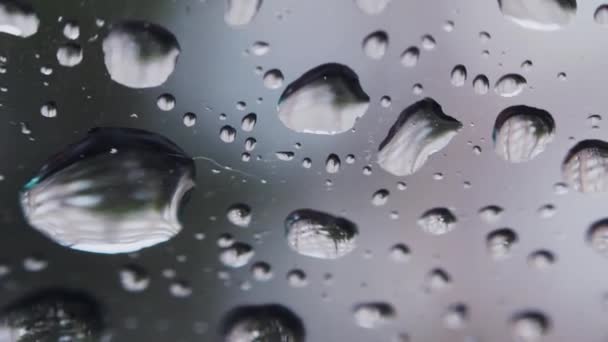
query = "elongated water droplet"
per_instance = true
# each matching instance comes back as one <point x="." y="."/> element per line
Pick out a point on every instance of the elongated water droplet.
<point x="375" y="44"/>
<point x="521" y="133"/>
<point x="601" y="15"/>
<point x="248" y="122"/>
<point x="510" y="85"/>
<point x="241" y="12"/>
<point x="139" y="54"/>
<point x="529" y="326"/>
<point x="481" y="84"/>
<point x="421" y="130"/>
<point x="372" y="7"/>
<point x="437" y="221"/>
<point x="373" y="315"/>
<point x="18" y="18"/>
<point x="325" y="100"/>
<point x="597" y="237"/>
<point x="260" y="48"/>
<point x="543" y="15"/>
<point x="585" y="167"/>
<point x="118" y="190"/>
<point x="320" y="235"/>
<point x="332" y="164"/>
<point x="459" y="76"/>
<point x="262" y="323"/>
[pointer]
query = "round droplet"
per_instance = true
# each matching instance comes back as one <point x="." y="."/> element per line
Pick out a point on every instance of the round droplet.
<point x="597" y="236"/>
<point x="49" y="110"/>
<point x="438" y="280"/>
<point x="490" y="214"/>
<point x="90" y="199"/>
<point x="417" y="89"/>
<point x="526" y="66"/>
<point x="529" y="326"/>
<point x="448" y="26"/>
<point x="139" y="54"/>
<point x="261" y="271"/>
<point x="71" y="30"/>
<point x="521" y="133"/>
<point x="481" y="84"/>
<point x="262" y="323"/>
<point x="260" y="48"/>
<point x="165" y="102"/>
<point x="385" y="101"/>
<point x="373" y="315"/>
<point x="510" y="85"/>
<point x="500" y="242"/>
<point x="134" y="278"/>
<point x="455" y="316"/>
<point x="437" y="221"/>
<point x="273" y="79"/>
<point x="225" y="240"/>
<point x="297" y="278"/>
<point x="306" y="163"/>
<point x="562" y="76"/>
<point x="18" y="18"/>
<point x="459" y="76"/>
<point x="375" y="45"/>
<point x="227" y="134"/>
<point x="237" y="255"/>
<point x="239" y="215"/>
<point x="484" y="37"/>
<point x="547" y="211"/>
<point x="250" y="144"/>
<point x="320" y="235"/>
<point x="428" y="42"/>
<point x="594" y="120"/>
<point x="248" y="122"/>
<point x="400" y="253"/>
<point x="69" y="54"/>
<point x="409" y="57"/>
<point x="380" y="197"/>
<point x="585" y="167"/>
<point x="189" y="119"/>
<point x="541" y="259"/>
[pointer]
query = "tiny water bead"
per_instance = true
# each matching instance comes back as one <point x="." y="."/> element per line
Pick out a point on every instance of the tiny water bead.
<point x="484" y="37"/>
<point x="69" y="54"/>
<point x="165" y="102"/>
<point x="409" y="57"/>
<point x="320" y="235"/>
<point x="542" y="15"/>
<point x="373" y="315"/>
<point x="375" y="45"/>
<point x="437" y="221"/>
<point x="500" y="242"/>
<point x="547" y="211"/>
<point x="490" y="214"/>
<point x="438" y="280"/>
<point x="241" y="12"/>
<point x="90" y="199"/>
<point x="140" y="54"/>
<point x="18" y="18"/>
<point x="273" y="79"/>
<point x="327" y="99"/>
<point x="400" y="253"/>
<point x="239" y="215"/>
<point x="262" y="323"/>
<point x="260" y="48"/>
<point x="297" y="278"/>
<point x="421" y="130"/>
<point x="585" y="167"/>
<point x="53" y="315"/>
<point x="529" y="326"/>
<point x="521" y="133"/>
<point x="385" y="101"/>
<point x="428" y="42"/>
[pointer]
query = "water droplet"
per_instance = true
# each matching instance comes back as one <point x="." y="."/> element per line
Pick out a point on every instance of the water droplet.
<point x="459" y="76"/>
<point x="375" y="44"/>
<point x="241" y="105"/>
<point x="297" y="278"/>
<point x="227" y="134"/>
<point x="71" y="30"/>
<point x="484" y="37"/>
<point x="139" y="54"/>
<point x="400" y="253"/>
<point x="421" y="130"/>
<point x="49" y="110"/>
<point x="134" y="278"/>
<point x="500" y="242"/>
<point x="89" y="199"/>
<point x="237" y="255"/>
<point x="543" y="15"/>
<point x="601" y="15"/>
<point x="262" y="323"/>
<point x="52" y="315"/>
<point x="306" y="163"/>
<point x="18" y="18"/>
<point x="409" y="57"/>
<point x="385" y="101"/>
<point x="261" y="271"/>
<point x="372" y="7"/>
<point x="239" y="215"/>
<point x="260" y="48"/>
<point x="562" y="76"/>
<point x="510" y="85"/>
<point x="438" y="280"/>
<point x="273" y="79"/>
<point x="373" y="315"/>
<point x="585" y="167"/>
<point x="521" y="133"/>
<point x="250" y="144"/>
<point x="541" y="259"/>
<point x="285" y="155"/>
<point x="180" y="289"/>
<point x="332" y="164"/>
<point x="428" y="42"/>
<point x="325" y="100"/>
<point x="448" y="26"/>
<point x="597" y="236"/>
<point x="34" y="264"/>
<point x="417" y="89"/>
<point x="560" y="188"/>
<point x="456" y="316"/>
<point x="241" y="12"/>
<point x="526" y="66"/>
<point x="437" y="221"/>
<point x="481" y="84"/>
<point x="380" y="197"/>
<point x="320" y="235"/>
<point x="547" y="211"/>
<point x="594" y="120"/>
<point x="529" y="326"/>
<point x="490" y="214"/>
<point x="69" y="54"/>
<point x="46" y="70"/>
<point x="248" y="122"/>
<point x="165" y="102"/>
<point x="225" y="240"/>
<point x="189" y="119"/>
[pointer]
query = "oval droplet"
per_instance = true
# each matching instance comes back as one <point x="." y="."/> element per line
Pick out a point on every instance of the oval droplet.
<point x="459" y="76"/>
<point x="372" y="7"/>
<point x="262" y="323"/>
<point x="437" y="221"/>
<point x="69" y="55"/>
<point x="273" y="79"/>
<point x="585" y="167"/>
<point x="375" y="44"/>
<point x="500" y="242"/>
<point x="237" y="255"/>
<point x="239" y="215"/>
<point x="510" y="85"/>
<point x="241" y="12"/>
<point x="373" y="315"/>
<point x="543" y="15"/>
<point x="18" y="18"/>
<point x="529" y="326"/>
<point x="409" y="57"/>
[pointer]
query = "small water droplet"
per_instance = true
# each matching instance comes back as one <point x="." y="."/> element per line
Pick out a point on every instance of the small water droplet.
<point x="189" y="119"/>
<point x="273" y="79"/>
<point x="332" y="164"/>
<point x="71" y="30"/>
<point x="49" y="110"/>
<point x="260" y="48"/>
<point x="428" y="42"/>
<point x="69" y="54"/>
<point x="248" y="122"/>
<point x="297" y="278"/>
<point x="481" y="84"/>
<point x="541" y="259"/>
<point x="375" y="44"/>
<point x="239" y="215"/>
<point x="529" y="326"/>
<point x="134" y="278"/>
<point x="409" y="57"/>
<point x="500" y="242"/>
<point x="165" y="102"/>
<point x="380" y="197"/>
<point x="237" y="255"/>
<point x="490" y="214"/>
<point x="510" y="85"/>
<point x="373" y="315"/>
<point x="227" y="134"/>
<point x="261" y="271"/>
<point x="459" y="76"/>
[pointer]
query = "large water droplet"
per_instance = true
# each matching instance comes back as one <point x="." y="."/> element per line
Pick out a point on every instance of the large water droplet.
<point x="372" y="7"/>
<point x="320" y="235"/>
<point x="241" y="12"/>
<point x="544" y="15"/>
<point x="18" y="18"/>
<point x="325" y="100"/>
<point x="437" y="221"/>
<point x="510" y="85"/>
<point x="373" y="315"/>
<point x="421" y="130"/>
<point x="585" y="168"/>
<point x="118" y="190"/>
<point x="139" y="54"/>
<point x="521" y="133"/>
<point x="375" y="44"/>
<point x="529" y="326"/>
<point x="262" y="323"/>
<point x="52" y="315"/>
